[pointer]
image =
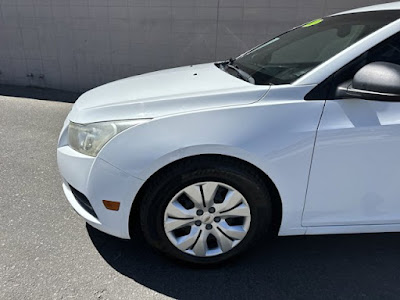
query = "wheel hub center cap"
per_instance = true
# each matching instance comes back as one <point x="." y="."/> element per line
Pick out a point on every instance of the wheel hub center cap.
<point x="206" y="218"/>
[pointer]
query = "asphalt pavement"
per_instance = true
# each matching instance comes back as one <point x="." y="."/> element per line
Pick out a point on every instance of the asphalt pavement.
<point x="48" y="252"/>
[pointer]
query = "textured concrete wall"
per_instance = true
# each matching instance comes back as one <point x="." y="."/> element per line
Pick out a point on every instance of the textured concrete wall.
<point x="78" y="44"/>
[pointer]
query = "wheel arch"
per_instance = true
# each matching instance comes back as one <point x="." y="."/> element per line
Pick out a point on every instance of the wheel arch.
<point x="275" y="195"/>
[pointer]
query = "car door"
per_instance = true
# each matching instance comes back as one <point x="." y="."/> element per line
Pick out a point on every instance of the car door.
<point x="355" y="173"/>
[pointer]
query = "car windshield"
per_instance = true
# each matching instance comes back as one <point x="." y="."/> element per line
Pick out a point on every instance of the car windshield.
<point x="291" y="55"/>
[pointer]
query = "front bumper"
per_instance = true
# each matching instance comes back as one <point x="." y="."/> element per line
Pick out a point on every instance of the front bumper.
<point x="98" y="180"/>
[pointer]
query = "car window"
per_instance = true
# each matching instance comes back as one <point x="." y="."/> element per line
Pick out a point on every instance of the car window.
<point x="328" y="44"/>
<point x="387" y="51"/>
<point x="293" y="54"/>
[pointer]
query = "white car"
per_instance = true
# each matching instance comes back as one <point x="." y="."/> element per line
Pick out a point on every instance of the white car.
<point x="300" y="135"/>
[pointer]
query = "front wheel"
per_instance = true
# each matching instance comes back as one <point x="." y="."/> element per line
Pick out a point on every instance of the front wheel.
<point x="206" y="212"/>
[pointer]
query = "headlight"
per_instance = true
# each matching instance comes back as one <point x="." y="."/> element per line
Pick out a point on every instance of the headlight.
<point x="90" y="138"/>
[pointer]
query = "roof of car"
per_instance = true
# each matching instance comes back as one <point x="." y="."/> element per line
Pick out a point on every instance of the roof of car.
<point x="386" y="6"/>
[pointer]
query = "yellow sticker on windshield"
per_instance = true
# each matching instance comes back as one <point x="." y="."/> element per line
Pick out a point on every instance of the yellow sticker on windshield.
<point x="312" y="23"/>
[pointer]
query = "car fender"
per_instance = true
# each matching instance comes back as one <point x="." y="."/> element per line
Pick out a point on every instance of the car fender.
<point x="276" y="136"/>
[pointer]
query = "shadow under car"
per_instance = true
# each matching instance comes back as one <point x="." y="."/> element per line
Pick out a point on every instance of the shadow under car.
<point x="303" y="267"/>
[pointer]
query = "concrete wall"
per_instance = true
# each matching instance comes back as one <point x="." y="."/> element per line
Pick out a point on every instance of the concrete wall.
<point x="78" y="44"/>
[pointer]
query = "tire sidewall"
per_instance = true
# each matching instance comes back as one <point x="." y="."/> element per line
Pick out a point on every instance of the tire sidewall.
<point x="256" y="195"/>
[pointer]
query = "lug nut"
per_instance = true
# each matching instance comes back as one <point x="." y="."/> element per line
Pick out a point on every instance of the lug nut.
<point x="208" y="226"/>
<point x="199" y="212"/>
<point x="211" y="210"/>
<point x="198" y="223"/>
<point x="217" y="219"/>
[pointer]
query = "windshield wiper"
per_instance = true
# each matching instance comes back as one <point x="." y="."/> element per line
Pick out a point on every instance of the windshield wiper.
<point x="242" y="73"/>
<point x="230" y="61"/>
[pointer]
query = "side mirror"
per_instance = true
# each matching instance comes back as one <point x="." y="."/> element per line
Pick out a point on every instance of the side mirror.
<point x="376" y="81"/>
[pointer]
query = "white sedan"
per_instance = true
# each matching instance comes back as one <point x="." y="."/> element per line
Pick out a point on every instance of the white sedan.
<point x="300" y="135"/>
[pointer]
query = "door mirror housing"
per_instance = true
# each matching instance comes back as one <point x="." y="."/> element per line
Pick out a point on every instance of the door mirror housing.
<point x="376" y="81"/>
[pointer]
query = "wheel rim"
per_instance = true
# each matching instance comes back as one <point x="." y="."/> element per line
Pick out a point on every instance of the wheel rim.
<point x="207" y="219"/>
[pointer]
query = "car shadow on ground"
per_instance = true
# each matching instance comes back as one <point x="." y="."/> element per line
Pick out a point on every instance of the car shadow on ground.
<point x="38" y="93"/>
<point x="306" y="267"/>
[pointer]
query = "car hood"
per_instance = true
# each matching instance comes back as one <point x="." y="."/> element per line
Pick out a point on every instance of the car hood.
<point x="163" y="93"/>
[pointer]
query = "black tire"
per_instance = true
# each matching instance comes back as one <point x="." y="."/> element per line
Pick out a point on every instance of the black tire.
<point x="182" y="174"/>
